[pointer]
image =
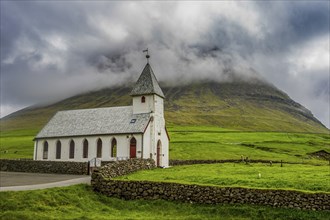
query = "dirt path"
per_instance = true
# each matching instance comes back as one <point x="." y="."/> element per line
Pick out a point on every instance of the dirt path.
<point x="14" y="181"/>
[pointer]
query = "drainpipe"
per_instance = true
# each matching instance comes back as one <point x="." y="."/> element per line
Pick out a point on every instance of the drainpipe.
<point x="142" y="146"/>
<point x="36" y="150"/>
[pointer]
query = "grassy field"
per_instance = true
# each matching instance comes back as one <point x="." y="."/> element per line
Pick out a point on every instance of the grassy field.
<point x="187" y="142"/>
<point x="214" y="143"/>
<point x="201" y="142"/>
<point x="80" y="202"/>
<point x="17" y="144"/>
<point x="293" y="177"/>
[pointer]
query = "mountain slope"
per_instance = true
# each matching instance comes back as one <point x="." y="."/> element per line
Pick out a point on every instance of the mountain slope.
<point x="254" y="106"/>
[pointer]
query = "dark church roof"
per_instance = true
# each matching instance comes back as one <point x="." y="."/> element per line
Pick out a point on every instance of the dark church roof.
<point x="97" y="121"/>
<point x="147" y="84"/>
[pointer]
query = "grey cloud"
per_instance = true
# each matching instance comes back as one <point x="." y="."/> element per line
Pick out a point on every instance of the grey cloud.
<point x="80" y="46"/>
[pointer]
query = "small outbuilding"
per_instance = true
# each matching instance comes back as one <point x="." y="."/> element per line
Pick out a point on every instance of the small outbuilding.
<point x="115" y="133"/>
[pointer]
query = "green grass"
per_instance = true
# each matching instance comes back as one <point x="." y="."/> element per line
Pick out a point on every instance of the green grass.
<point x="17" y="144"/>
<point x="290" y="176"/>
<point x="80" y="202"/>
<point x="200" y="142"/>
<point x="206" y="143"/>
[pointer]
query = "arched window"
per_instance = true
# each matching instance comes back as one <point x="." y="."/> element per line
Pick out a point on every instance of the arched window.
<point x="85" y="148"/>
<point x="114" y="148"/>
<point x="58" y="149"/>
<point x="99" y="148"/>
<point x="143" y="99"/>
<point x="45" y="151"/>
<point x="71" y="152"/>
<point x="132" y="148"/>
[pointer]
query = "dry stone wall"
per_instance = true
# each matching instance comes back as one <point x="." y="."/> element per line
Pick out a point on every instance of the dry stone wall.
<point x="33" y="166"/>
<point x="124" y="167"/>
<point x="211" y="195"/>
<point x="102" y="182"/>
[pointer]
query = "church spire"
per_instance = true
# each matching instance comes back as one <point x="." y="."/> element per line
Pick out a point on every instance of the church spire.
<point x="147" y="83"/>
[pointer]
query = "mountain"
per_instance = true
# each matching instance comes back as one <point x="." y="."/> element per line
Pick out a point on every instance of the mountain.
<point x="240" y="105"/>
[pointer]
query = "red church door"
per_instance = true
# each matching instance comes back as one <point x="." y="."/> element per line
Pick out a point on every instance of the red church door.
<point x="132" y="151"/>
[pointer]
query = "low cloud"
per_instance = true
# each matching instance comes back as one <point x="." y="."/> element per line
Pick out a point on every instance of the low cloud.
<point x="51" y="50"/>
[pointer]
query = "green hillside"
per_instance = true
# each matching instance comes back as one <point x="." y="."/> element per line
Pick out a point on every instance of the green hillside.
<point x="206" y="120"/>
<point x="238" y="106"/>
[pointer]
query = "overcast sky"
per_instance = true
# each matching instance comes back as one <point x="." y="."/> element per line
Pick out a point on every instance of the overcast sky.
<point x="54" y="49"/>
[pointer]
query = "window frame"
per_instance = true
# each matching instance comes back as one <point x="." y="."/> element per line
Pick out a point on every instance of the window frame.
<point x="71" y="149"/>
<point x="45" y="150"/>
<point x="85" y="148"/>
<point x="99" y="144"/>
<point x="114" y="146"/>
<point x="58" y="149"/>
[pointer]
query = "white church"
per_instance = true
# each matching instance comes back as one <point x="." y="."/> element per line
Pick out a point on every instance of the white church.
<point x="115" y="133"/>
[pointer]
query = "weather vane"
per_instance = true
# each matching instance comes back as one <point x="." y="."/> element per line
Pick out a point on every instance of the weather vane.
<point x="147" y="56"/>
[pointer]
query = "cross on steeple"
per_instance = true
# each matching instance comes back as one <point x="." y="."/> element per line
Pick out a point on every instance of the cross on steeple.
<point x="147" y="56"/>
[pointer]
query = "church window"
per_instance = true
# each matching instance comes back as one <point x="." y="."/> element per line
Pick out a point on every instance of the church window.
<point x="99" y="148"/>
<point x="85" y="149"/>
<point x="58" y="149"/>
<point x="114" y="148"/>
<point x="45" y="152"/>
<point x="143" y="99"/>
<point x="71" y="152"/>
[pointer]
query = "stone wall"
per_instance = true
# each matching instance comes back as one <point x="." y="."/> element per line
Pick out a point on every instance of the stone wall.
<point x="102" y="182"/>
<point x="61" y="167"/>
<point x="124" y="167"/>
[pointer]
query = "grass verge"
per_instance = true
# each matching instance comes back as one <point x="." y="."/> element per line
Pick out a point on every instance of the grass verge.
<point x="80" y="202"/>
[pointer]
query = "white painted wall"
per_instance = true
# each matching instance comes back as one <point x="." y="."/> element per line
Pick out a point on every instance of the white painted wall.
<point x="146" y="107"/>
<point x="165" y="148"/>
<point x="123" y="147"/>
<point x="156" y="129"/>
<point x="159" y="106"/>
<point x="147" y="142"/>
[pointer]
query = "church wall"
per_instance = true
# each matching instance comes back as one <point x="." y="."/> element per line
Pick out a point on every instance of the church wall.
<point x="123" y="147"/>
<point x="147" y="142"/>
<point x="165" y="148"/>
<point x="146" y="107"/>
<point x="156" y="129"/>
<point x="159" y="106"/>
<point x="160" y="133"/>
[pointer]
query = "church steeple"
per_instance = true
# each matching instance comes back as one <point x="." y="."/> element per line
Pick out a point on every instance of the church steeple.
<point x="147" y="84"/>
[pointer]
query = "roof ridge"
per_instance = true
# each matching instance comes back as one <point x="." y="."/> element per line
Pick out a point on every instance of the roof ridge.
<point x="83" y="109"/>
